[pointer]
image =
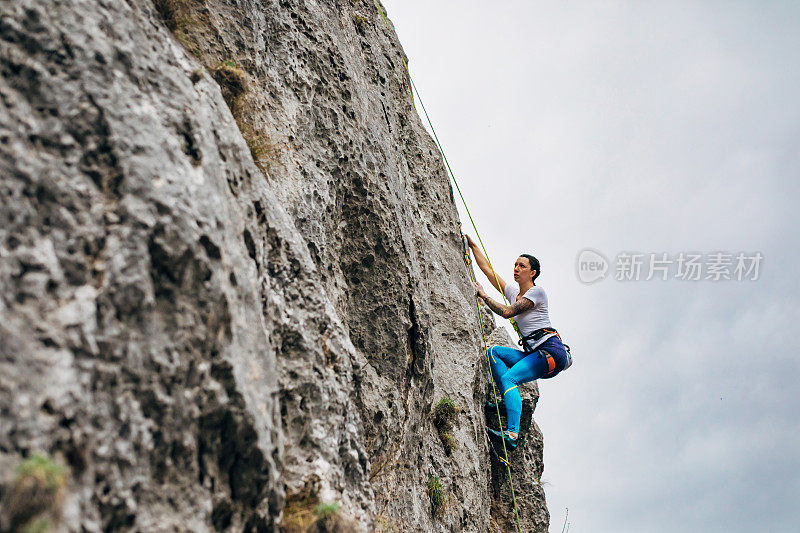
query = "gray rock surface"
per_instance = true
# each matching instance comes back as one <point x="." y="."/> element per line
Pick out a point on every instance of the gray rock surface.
<point x="232" y="274"/>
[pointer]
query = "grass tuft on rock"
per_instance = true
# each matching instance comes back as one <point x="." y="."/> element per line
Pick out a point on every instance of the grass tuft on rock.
<point x="235" y="90"/>
<point x="449" y="443"/>
<point x="171" y="12"/>
<point x="35" y="495"/>
<point x="298" y="512"/>
<point x="360" y="21"/>
<point x="187" y="21"/>
<point x="43" y="470"/>
<point x="325" y="511"/>
<point x="444" y="417"/>
<point x="264" y="151"/>
<point x="182" y="21"/>
<point x="231" y="79"/>
<point x="37" y="526"/>
<point x="437" y="496"/>
<point x="444" y="414"/>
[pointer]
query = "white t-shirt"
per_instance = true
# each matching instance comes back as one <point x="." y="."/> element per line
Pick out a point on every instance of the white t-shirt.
<point x="532" y="319"/>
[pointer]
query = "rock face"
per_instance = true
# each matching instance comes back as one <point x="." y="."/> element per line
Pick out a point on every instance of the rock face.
<point x="233" y="284"/>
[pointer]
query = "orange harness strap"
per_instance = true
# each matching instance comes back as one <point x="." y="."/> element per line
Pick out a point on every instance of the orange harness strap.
<point x="554" y="331"/>
<point x="551" y="363"/>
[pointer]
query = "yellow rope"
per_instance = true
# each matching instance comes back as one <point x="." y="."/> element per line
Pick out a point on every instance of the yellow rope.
<point x="503" y="459"/>
<point x="471" y="274"/>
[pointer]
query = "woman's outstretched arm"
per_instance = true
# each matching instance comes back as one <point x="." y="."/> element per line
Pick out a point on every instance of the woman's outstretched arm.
<point x="505" y="311"/>
<point x="483" y="264"/>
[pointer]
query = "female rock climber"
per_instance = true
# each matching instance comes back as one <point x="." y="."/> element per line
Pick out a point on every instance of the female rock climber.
<point x="543" y="356"/>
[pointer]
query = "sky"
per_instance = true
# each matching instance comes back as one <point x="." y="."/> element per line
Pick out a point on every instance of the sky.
<point x="638" y="128"/>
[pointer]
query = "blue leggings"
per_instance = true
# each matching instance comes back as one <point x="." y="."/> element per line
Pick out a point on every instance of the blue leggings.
<point x="511" y="367"/>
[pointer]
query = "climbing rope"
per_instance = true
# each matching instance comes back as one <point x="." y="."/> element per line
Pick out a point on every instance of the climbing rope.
<point x="468" y="262"/>
<point x="503" y="459"/>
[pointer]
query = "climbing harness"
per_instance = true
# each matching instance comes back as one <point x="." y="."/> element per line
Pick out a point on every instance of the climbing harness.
<point x="504" y="459"/>
<point x="533" y="339"/>
<point x="536" y="338"/>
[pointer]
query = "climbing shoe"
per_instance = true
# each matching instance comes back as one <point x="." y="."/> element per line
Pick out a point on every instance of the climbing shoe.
<point x="504" y="435"/>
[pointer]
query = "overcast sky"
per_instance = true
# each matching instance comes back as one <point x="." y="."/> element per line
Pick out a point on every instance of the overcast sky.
<point x="640" y="127"/>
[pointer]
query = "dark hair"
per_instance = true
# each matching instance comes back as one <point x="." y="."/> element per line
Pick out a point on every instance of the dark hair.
<point x="534" y="263"/>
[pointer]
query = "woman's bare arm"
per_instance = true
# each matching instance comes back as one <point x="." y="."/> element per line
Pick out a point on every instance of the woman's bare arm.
<point x="483" y="263"/>
<point x="505" y="311"/>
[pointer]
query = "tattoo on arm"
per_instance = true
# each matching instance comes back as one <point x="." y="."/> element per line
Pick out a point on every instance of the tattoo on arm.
<point x="508" y="311"/>
<point x="520" y="306"/>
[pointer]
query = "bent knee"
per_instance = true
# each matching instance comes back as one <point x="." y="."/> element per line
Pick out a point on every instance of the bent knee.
<point x="508" y="382"/>
<point x="490" y="354"/>
<point x="510" y="387"/>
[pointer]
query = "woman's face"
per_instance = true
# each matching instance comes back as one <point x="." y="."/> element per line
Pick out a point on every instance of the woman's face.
<point x="522" y="270"/>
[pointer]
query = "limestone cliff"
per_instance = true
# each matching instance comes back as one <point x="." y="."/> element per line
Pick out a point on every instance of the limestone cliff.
<point x="233" y="284"/>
